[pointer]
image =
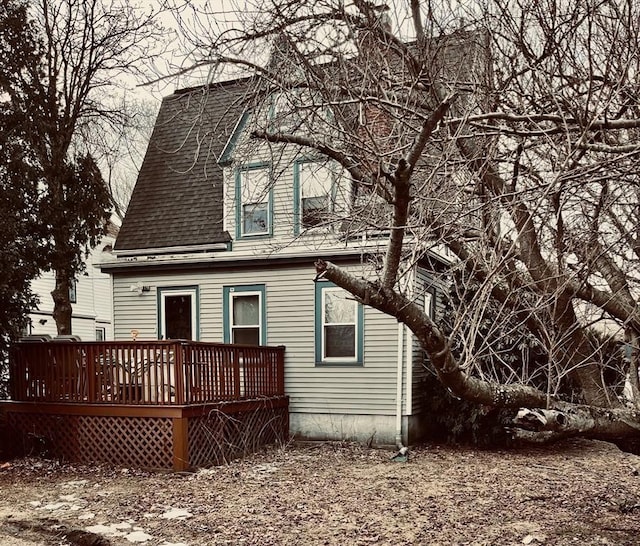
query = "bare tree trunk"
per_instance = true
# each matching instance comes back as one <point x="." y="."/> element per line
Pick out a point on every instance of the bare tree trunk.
<point x="62" y="310"/>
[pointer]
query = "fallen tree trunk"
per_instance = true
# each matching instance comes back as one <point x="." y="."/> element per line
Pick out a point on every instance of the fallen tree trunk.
<point x="559" y="418"/>
<point x="581" y="420"/>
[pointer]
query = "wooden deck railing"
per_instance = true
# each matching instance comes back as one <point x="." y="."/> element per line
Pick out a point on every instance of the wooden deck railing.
<point x="144" y="372"/>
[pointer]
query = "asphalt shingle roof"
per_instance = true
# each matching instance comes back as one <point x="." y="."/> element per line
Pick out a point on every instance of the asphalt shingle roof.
<point x="178" y="197"/>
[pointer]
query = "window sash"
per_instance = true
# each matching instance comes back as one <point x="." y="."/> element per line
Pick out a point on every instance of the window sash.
<point x="314" y="210"/>
<point x="315" y="182"/>
<point x="253" y="201"/>
<point x="336" y="328"/>
<point x="245" y="330"/>
<point x="255" y="218"/>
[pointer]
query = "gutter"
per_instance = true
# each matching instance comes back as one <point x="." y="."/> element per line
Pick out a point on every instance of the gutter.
<point x="210" y="260"/>
<point x="211" y="247"/>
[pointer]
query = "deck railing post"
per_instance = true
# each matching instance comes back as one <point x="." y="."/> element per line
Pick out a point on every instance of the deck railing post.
<point x="280" y="371"/>
<point x="92" y="376"/>
<point x="236" y="373"/>
<point x="178" y="349"/>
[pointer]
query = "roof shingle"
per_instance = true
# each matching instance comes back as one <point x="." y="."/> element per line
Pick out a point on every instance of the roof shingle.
<point x="178" y="197"/>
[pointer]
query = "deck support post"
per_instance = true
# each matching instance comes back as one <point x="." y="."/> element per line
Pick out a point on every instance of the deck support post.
<point x="180" y="444"/>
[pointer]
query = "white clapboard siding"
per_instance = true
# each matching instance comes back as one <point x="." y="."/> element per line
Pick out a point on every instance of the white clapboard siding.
<point x="93" y="306"/>
<point x="282" y="191"/>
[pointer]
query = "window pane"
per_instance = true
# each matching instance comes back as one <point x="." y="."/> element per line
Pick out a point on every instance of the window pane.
<point x="340" y="341"/>
<point x="246" y="336"/>
<point x="246" y="310"/>
<point x="177" y="317"/>
<point x="314" y="210"/>
<point x="255" y="218"/>
<point x="428" y="304"/>
<point x="255" y="185"/>
<point x="315" y="180"/>
<point x="337" y="308"/>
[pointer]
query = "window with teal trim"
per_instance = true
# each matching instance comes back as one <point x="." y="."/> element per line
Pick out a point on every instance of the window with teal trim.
<point x="339" y="326"/>
<point x="244" y="315"/>
<point x="253" y="197"/>
<point x="313" y="199"/>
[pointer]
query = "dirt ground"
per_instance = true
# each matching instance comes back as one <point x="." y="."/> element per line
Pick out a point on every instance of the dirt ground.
<point x="577" y="493"/>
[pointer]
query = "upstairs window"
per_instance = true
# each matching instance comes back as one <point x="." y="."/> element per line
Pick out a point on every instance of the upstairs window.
<point x="313" y="187"/>
<point x="429" y="302"/>
<point x="253" y="195"/>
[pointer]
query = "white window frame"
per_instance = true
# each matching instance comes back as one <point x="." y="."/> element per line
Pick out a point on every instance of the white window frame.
<point x="233" y="294"/>
<point x="265" y="199"/>
<point x="323" y="323"/>
<point x="430" y="302"/>
<point x="301" y="187"/>
<point x="229" y="295"/>
<point x="162" y="296"/>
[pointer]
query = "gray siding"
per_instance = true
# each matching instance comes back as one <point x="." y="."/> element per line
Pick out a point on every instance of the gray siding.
<point x="424" y="281"/>
<point x="369" y="389"/>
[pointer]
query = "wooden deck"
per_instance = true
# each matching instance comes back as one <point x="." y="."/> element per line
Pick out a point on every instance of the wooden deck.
<point x="159" y="404"/>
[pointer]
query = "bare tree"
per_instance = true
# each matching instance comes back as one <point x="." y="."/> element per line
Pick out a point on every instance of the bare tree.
<point x="506" y="133"/>
<point x="83" y="48"/>
<point x="119" y="151"/>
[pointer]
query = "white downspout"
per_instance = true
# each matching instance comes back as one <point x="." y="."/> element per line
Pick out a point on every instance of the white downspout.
<point x="408" y="360"/>
<point x="399" y="386"/>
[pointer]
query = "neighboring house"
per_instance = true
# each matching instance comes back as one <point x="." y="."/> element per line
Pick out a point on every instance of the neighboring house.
<point x="91" y="298"/>
<point x="219" y="244"/>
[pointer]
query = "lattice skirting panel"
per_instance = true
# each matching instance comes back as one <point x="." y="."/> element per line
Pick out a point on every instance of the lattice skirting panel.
<point x="124" y="441"/>
<point x="152" y="437"/>
<point x="220" y="435"/>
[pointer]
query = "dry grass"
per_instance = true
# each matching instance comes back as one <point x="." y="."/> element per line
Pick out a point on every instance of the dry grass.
<point x="579" y="492"/>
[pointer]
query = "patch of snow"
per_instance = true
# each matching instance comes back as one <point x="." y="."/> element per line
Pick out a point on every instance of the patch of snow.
<point x="122" y="525"/>
<point x="35" y="503"/>
<point x="138" y="536"/>
<point x="176" y="513"/>
<point x="534" y="539"/>
<point x="266" y="468"/>
<point x="173" y="544"/>
<point x="88" y="515"/>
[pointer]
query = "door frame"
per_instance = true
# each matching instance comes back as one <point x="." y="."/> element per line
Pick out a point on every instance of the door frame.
<point x="194" y="293"/>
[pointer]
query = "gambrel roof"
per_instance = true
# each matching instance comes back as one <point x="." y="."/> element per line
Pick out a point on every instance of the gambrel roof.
<point x="178" y="197"/>
<point x="177" y="204"/>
